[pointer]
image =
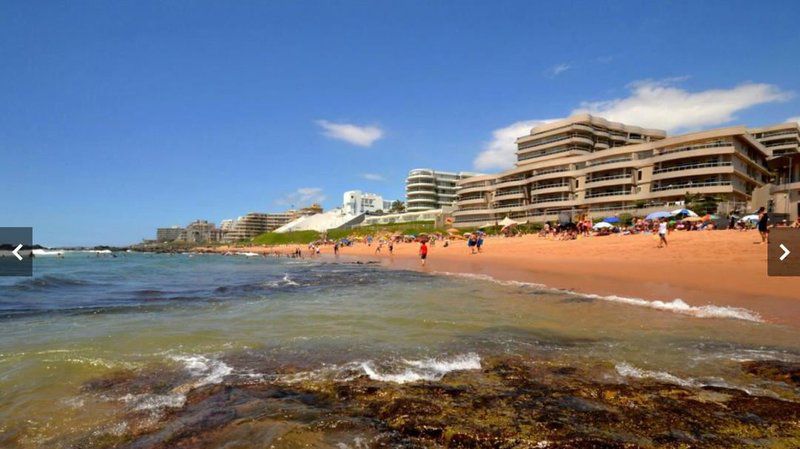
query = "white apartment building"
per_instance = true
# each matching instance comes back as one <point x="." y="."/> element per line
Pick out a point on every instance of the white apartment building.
<point x="356" y="202"/>
<point x="428" y="189"/>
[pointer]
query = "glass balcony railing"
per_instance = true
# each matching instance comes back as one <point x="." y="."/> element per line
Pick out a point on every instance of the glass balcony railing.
<point x="691" y="185"/>
<point x="608" y="193"/>
<point x="692" y="167"/>
<point x="608" y="178"/>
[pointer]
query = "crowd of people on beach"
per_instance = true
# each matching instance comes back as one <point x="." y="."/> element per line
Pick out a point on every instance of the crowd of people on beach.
<point x="659" y="227"/>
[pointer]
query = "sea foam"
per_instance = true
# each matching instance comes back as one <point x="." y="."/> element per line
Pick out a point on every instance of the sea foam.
<point x="675" y="306"/>
<point x="427" y="369"/>
<point x="402" y="371"/>
<point x="207" y="371"/>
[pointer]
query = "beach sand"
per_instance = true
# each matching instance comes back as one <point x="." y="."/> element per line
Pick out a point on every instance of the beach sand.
<point x="723" y="268"/>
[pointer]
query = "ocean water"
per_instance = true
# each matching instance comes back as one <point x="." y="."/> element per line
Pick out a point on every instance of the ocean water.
<point x="170" y="325"/>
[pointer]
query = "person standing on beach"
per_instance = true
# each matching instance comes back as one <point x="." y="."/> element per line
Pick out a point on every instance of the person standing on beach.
<point x="336" y="249"/>
<point x="391" y="247"/>
<point x="662" y="233"/>
<point x="423" y="252"/>
<point x="479" y="241"/>
<point x="763" y="221"/>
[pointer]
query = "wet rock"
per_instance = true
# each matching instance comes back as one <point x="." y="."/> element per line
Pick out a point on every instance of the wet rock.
<point x="775" y="370"/>
<point x="510" y="403"/>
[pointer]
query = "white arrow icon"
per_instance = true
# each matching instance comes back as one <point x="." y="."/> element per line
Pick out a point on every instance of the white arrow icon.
<point x="786" y="252"/>
<point x="16" y="251"/>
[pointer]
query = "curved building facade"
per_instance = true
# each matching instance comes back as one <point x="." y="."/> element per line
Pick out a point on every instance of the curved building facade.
<point x="586" y="165"/>
<point x="428" y="189"/>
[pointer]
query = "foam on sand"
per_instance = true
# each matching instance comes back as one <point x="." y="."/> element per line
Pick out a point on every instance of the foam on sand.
<point x="674" y="306"/>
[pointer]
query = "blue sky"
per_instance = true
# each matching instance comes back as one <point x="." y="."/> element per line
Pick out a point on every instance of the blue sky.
<point x="118" y="117"/>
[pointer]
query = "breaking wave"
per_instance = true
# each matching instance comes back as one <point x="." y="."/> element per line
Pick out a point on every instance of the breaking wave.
<point x="205" y="370"/>
<point x="402" y="371"/>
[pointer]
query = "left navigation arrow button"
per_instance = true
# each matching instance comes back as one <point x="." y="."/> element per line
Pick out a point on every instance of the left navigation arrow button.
<point x="16" y="251"/>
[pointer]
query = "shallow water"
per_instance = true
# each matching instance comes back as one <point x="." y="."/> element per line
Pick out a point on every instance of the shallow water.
<point x="174" y="324"/>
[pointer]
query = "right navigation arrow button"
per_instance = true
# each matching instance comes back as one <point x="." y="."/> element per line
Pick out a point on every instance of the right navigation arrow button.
<point x="786" y="252"/>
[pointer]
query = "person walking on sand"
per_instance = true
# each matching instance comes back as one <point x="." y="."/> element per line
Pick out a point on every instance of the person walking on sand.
<point x="423" y="252"/>
<point x="336" y="249"/>
<point x="479" y="241"/>
<point x="662" y="233"/>
<point x="763" y="221"/>
<point x="391" y="247"/>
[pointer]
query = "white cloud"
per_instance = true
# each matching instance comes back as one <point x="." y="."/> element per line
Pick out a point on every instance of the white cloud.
<point x="558" y="69"/>
<point x="302" y="197"/>
<point x="794" y="119"/>
<point x="499" y="153"/>
<point x="661" y="104"/>
<point x="363" y="136"/>
<point x="373" y="177"/>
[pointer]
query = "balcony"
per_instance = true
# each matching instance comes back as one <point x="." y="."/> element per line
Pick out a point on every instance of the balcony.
<point x="610" y="161"/>
<point x="608" y="193"/>
<point x="585" y="138"/>
<point x="411" y="185"/>
<point x="691" y="185"/>
<point x="608" y="178"/>
<point x="548" y="200"/>
<point x="500" y="193"/>
<point x="524" y="156"/>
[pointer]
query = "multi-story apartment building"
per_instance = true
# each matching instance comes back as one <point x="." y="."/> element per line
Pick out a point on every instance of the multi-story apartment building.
<point x="783" y="143"/>
<point x="164" y="235"/>
<point x="256" y="223"/>
<point x="356" y="202"/>
<point x="199" y="231"/>
<point x="586" y="165"/>
<point x="430" y="189"/>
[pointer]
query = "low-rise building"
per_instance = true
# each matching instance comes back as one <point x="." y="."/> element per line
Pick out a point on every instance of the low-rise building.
<point x="256" y="223"/>
<point x="436" y="216"/>
<point x="356" y="202"/>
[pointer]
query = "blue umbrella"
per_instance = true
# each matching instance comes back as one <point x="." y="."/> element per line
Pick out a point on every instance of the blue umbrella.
<point x="658" y="215"/>
<point x="611" y="220"/>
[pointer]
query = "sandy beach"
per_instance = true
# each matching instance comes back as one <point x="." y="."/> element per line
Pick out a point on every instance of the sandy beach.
<point x="723" y="268"/>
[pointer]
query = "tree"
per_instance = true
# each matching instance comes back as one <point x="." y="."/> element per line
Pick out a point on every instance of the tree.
<point x="398" y="207"/>
<point x="701" y="204"/>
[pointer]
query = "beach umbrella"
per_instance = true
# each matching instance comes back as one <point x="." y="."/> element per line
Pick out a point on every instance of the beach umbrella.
<point x="486" y="225"/>
<point x="453" y="231"/>
<point x="686" y="212"/>
<point x="749" y="218"/>
<point x="611" y="220"/>
<point x="507" y="222"/>
<point x="602" y="225"/>
<point x="658" y="215"/>
<point x="692" y="219"/>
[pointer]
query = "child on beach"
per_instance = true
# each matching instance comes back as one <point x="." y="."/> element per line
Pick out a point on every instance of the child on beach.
<point x="423" y="252"/>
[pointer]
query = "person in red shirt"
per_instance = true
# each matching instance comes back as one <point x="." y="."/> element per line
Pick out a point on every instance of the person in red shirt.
<point x="423" y="252"/>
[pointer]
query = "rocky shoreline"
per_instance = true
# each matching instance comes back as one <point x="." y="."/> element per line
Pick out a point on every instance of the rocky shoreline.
<point x="512" y="402"/>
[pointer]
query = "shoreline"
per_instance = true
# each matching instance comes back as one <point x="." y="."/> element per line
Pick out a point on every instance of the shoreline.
<point x="701" y="268"/>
